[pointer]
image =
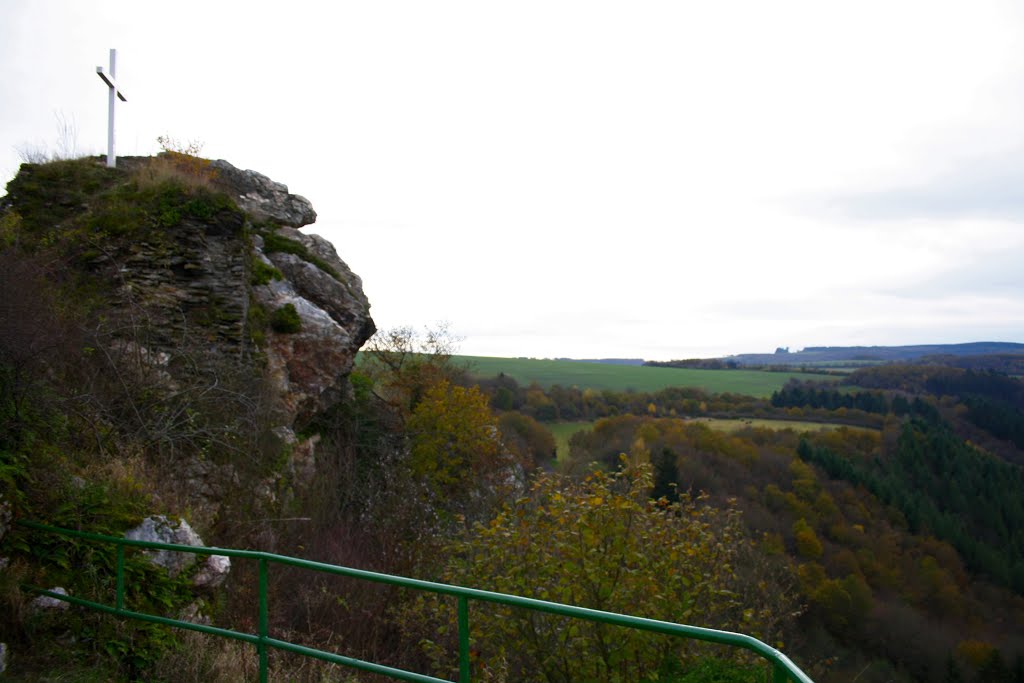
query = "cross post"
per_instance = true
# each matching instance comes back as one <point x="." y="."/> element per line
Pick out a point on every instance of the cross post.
<point x="115" y="92"/>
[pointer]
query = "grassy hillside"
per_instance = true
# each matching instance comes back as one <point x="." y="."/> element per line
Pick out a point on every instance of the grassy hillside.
<point x="622" y="377"/>
<point x="563" y="431"/>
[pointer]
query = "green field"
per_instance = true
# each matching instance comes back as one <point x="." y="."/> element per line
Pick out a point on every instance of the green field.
<point x="563" y="431"/>
<point x="546" y="373"/>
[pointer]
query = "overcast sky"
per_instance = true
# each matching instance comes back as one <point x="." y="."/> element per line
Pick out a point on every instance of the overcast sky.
<point x="592" y="179"/>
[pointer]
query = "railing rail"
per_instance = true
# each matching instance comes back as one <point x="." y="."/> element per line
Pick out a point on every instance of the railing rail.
<point x="783" y="669"/>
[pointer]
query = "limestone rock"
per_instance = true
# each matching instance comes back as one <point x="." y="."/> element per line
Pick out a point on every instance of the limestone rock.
<point x="46" y="602"/>
<point x="159" y="529"/>
<point x="213" y="572"/>
<point x="340" y="294"/>
<point x="262" y="197"/>
<point x="309" y="367"/>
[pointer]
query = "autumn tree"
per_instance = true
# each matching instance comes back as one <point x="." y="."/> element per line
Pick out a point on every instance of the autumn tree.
<point x="404" y="363"/>
<point x="528" y="440"/>
<point x="600" y="542"/>
<point x="456" y="452"/>
<point x="807" y="543"/>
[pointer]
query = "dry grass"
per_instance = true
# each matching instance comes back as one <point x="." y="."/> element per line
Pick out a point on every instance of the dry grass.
<point x="191" y="171"/>
<point x="211" y="659"/>
<point x="203" y="657"/>
<point x="133" y="475"/>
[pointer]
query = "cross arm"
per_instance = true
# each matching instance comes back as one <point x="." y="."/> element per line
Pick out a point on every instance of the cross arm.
<point x="109" y="80"/>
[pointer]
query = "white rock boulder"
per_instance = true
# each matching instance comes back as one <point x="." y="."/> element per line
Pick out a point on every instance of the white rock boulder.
<point x="160" y="529"/>
<point x="46" y="602"/>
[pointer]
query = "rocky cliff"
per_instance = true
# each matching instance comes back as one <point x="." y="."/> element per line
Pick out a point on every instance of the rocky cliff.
<point x="185" y="263"/>
<point x="171" y="347"/>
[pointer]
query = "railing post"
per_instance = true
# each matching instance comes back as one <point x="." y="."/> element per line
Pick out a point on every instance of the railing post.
<point x="264" y="630"/>
<point x="119" y="599"/>
<point x="464" y="663"/>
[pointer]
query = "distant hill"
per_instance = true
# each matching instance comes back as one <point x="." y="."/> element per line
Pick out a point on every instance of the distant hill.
<point x="820" y="355"/>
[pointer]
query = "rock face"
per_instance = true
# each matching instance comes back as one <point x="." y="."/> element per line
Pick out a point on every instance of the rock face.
<point x="198" y="285"/>
<point x="193" y="271"/>
<point x="305" y="365"/>
<point x="160" y="529"/>
<point x="263" y="198"/>
<point x="213" y="572"/>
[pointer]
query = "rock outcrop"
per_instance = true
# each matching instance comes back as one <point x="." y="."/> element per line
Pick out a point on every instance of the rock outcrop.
<point x="194" y="271"/>
<point x="262" y="198"/>
<point x="305" y="365"/>
<point x="308" y="366"/>
<point x="190" y="279"/>
<point x="170" y="313"/>
<point x="160" y="529"/>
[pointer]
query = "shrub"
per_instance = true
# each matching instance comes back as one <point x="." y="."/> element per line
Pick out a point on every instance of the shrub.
<point x="592" y="543"/>
<point x="262" y="273"/>
<point x="286" y="320"/>
<point x="529" y="440"/>
<point x="455" y="451"/>
<point x="272" y="242"/>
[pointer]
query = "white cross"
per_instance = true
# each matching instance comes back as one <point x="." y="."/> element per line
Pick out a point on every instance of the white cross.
<point x="112" y="84"/>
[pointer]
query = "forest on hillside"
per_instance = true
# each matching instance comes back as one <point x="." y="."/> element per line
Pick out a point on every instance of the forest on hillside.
<point x="905" y="537"/>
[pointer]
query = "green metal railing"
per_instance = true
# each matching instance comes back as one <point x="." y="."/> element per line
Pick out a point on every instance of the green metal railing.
<point x="783" y="669"/>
